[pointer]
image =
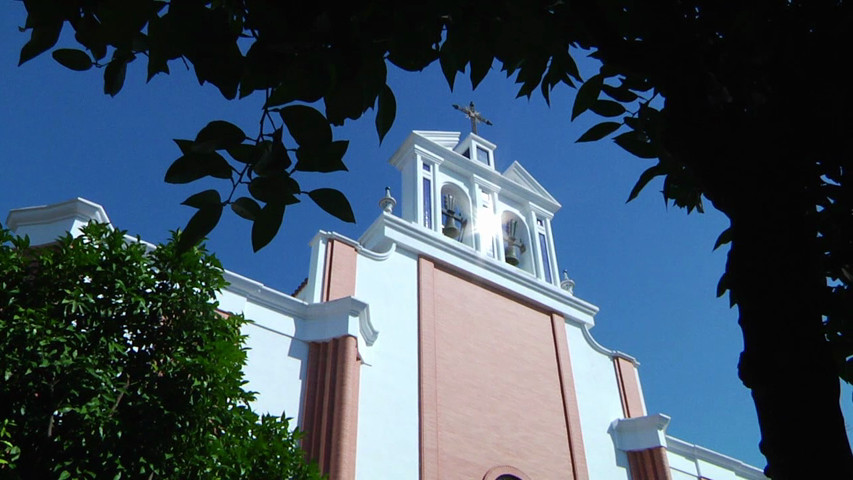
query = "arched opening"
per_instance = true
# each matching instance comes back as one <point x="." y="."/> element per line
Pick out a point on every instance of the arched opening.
<point x="505" y="472"/>
<point x="456" y="214"/>
<point x="516" y="239"/>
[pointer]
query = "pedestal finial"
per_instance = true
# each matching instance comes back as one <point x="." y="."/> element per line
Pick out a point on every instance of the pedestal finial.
<point x="567" y="284"/>
<point x="387" y="202"/>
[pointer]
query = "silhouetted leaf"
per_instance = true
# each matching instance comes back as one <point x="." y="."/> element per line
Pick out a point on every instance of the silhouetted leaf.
<point x="186" y="146"/>
<point x="193" y="166"/>
<point x="607" y="108"/>
<point x="114" y="75"/>
<point x="644" y="179"/>
<point x="246" y="208"/>
<point x="207" y="198"/>
<point x="277" y="189"/>
<point x="306" y="125"/>
<point x="218" y="135"/>
<point x="333" y="202"/>
<point x="323" y="158"/>
<point x="599" y="131"/>
<point x="72" y="58"/>
<point x="587" y="95"/>
<point x="42" y="38"/>
<point x="724" y="238"/>
<point x="722" y="285"/>
<point x="267" y="224"/>
<point x="273" y="156"/>
<point x="620" y="94"/>
<point x="244" y="153"/>
<point x="636" y="144"/>
<point x="202" y="223"/>
<point x="385" y="111"/>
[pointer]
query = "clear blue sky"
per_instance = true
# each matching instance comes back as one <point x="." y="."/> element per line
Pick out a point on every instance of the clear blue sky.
<point x="649" y="268"/>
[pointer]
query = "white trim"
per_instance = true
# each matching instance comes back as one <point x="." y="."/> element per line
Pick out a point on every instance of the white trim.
<point x="695" y="452"/>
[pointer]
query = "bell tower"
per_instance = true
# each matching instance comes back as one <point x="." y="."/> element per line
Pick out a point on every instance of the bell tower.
<point x="452" y="188"/>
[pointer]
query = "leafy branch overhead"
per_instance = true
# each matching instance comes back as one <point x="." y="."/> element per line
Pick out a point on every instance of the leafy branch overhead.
<point x="706" y="88"/>
<point x="296" y="55"/>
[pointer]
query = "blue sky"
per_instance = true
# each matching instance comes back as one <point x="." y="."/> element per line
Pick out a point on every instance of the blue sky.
<point x="649" y="268"/>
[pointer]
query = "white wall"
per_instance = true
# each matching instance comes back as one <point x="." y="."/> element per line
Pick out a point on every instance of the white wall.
<point x="599" y="403"/>
<point x="276" y="361"/>
<point x="388" y="434"/>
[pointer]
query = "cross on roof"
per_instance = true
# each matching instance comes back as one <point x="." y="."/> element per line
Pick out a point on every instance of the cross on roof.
<point x="472" y="114"/>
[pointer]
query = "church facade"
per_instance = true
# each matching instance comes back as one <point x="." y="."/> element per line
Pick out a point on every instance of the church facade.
<point x="442" y="343"/>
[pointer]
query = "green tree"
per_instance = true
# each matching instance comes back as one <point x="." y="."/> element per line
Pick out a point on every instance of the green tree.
<point x="116" y="364"/>
<point x="738" y="102"/>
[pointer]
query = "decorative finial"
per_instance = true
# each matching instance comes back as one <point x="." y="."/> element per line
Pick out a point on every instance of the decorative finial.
<point x="387" y="202"/>
<point x="567" y="284"/>
<point x="472" y="114"/>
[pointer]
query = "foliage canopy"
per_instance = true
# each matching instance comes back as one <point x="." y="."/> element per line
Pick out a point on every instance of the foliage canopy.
<point x="116" y="364"/>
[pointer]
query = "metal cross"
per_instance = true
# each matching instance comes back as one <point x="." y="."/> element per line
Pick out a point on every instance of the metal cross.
<point x="472" y="114"/>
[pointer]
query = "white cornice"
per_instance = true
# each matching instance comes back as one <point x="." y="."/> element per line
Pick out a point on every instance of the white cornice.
<point x="75" y="208"/>
<point x="318" y="320"/>
<point x="518" y="174"/>
<point x="421" y="241"/>
<point x="639" y="433"/>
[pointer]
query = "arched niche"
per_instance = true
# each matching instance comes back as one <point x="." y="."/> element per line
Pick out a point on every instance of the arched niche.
<point x="518" y="251"/>
<point x="456" y="214"/>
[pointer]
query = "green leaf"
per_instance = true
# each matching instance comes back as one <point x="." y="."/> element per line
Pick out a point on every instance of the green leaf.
<point x="599" y="131"/>
<point x="246" y="208"/>
<point x="724" y="238"/>
<point x="644" y="179"/>
<point x="607" y="108"/>
<point x="281" y="188"/>
<point x="72" y="58"/>
<point x="636" y="143"/>
<point x="587" y="95"/>
<point x="323" y="158"/>
<point x="267" y="224"/>
<point x="385" y="112"/>
<point x="203" y="199"/>
<point x="218" y="135"/>
<point x="202" y="223"/>
<point x="306" y="125"/>
<point x="333" y="202"/>
<point x="192" y="166"/>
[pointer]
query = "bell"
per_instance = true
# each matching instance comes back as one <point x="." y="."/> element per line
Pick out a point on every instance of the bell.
<point x="450" y="229"/>
<point x="512" y="252"/>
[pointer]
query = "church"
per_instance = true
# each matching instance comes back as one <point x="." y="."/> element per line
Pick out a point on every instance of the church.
<point x="443" y="343"/>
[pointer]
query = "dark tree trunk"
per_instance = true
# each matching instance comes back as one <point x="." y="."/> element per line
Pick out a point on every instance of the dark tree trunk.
<point x="774" y="273"/>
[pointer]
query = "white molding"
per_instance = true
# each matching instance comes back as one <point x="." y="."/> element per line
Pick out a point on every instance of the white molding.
<point x="518" y="174"/>
<point x="639" y="433"/>
<point x="75" y="208"/>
